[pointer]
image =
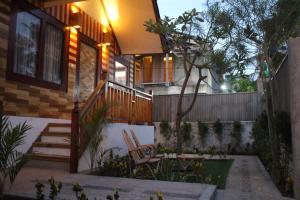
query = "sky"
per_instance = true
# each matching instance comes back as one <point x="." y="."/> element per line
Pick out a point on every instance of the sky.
<point x="174" y="8"/>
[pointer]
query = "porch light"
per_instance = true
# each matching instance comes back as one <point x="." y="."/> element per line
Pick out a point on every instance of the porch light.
<point x="75" y="17"/>
<point x="106" y="39"/>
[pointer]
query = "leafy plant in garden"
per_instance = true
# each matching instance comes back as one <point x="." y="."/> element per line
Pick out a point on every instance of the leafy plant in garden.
<point x="11" y="137"/>
<point x="165" y="129"/>
<point x="55" y="188"/>
<point x="114" y="166"/>
<point x="94" y="129"/>
<point x="202" y="131"/>
<point x="218" y="129"/>
<point x="237" y="134"/>
<point x="186" y="129"/>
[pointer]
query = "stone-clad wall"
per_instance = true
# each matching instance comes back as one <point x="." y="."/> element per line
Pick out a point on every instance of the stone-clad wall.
<point x="211" y="139"/>
<point x="24" y="99"/>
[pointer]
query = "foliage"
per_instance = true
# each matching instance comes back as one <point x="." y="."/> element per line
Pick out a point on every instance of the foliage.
<point x="114" y="166"/>
<point x="261" y="146"/>
<point x="11" y="137"/>
<point x="55" y="189"/>
<point x="237" y="133"/>
<point x="115" y="196"/>
<point x="283" y="127"/>
<point x="186" y="130"/>
<point x="165" y="129"/>
<point x="94" y="129"/>
<point x="218" y="129"/>
<point x="202" y="131"/>
<point x="187" y="36"/>
<point x="241" y="84"/>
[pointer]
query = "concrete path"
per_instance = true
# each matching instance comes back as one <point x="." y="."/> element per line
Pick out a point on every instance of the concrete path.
<point x="97" y="186"/>
<point x="248" y="180"/>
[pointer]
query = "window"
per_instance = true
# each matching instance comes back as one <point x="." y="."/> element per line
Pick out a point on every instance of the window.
<point x="169" y="69"/>
<point x="36" y="47"/>
<point x="120" y="73"/>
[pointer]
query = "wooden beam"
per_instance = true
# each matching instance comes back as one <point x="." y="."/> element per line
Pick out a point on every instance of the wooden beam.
<point x="50" y="3"/>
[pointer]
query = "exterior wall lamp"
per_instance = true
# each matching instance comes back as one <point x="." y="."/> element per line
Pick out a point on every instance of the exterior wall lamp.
<point x="75" y="17"/>
<point x="106" y="39"/>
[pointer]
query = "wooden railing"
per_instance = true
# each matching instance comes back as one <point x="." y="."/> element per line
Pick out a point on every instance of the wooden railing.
<point x="125" y="105"/>
<point x="128" y="105"/>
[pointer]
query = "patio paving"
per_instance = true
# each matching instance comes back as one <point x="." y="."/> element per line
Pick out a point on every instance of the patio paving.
<point x="99" y="186"/>
<point x="248" y="180"/>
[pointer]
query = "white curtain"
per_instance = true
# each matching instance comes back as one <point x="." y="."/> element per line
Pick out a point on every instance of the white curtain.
<point x="53" y="54"/>
<point x="26" y="44"/>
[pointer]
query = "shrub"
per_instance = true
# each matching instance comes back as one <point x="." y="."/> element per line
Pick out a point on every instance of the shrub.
<point x="186" y="129"/>
<point x="218" y="129"/>
<point x="202" y="131"/>
<point x="237" y="133"/>
<point x="165" y="129"/>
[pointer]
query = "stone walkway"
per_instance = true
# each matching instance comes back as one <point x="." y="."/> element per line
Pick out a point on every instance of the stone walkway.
<point x="248" y="180"/>
<point x="98" y="186"/>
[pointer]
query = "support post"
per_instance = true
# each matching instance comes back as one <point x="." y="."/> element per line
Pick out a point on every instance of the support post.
<point x="74" y="154"/>
<point x="294" y="74"/>
<point x="167" y="69"/>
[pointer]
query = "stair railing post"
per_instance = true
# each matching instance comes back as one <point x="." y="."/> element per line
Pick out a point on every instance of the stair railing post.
<point x="74" y="154"/>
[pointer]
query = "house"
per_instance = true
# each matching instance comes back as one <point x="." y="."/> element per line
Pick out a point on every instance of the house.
<point x="164" y="74"/>
<point x="60" y="60"/>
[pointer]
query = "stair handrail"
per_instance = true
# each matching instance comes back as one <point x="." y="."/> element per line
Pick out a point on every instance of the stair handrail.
<point x="98" y="91"/>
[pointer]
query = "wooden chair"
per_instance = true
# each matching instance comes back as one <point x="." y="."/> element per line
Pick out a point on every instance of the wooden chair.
<point x="149" y="148"/>
<point x="138" y="156"/>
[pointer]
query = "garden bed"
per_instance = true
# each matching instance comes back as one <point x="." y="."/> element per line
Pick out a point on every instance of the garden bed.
<point x="207" y="171"/>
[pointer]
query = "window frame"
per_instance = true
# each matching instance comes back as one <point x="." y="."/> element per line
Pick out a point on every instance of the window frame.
<point x="124" y="62"/>
<point x="23" y="6"/>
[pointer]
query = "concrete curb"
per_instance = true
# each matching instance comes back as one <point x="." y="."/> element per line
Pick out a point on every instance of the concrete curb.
<point x="209" y="193"/>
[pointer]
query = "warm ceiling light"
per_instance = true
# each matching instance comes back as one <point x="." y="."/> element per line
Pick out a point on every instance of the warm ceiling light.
<point x="74" y="9"/>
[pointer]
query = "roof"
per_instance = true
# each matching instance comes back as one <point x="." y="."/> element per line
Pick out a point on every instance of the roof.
<point x="127" y="18"/>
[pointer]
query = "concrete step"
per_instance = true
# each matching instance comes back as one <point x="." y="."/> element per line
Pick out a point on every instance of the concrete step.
<point x="53" y="149"/>
<point x="45" y="161"/>
<point x="55" y="137"/>
<point x="56" y="127"/>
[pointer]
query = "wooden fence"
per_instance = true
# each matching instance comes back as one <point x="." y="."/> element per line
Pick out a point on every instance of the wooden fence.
<point x="210" y="107"/>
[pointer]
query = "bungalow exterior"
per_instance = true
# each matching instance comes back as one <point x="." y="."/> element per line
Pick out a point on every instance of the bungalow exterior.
<point x="163" y="74"/>
<point x="60" y="60"/>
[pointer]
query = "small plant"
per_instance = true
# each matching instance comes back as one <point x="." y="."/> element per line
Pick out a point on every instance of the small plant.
<point x="202" y="131"/>
<point x="93" y="129"/>
<point x="218" y="129"/>
<point x="165" y="129"/>
<point x="11" y="160"/>
<point x="80" y="195"/>
<point x="237" y="133"/>
<point x="115" y="196"/>
<point x="55" y="188"/>
<point x="186" y="129"/>
<point x="39" y="191"/>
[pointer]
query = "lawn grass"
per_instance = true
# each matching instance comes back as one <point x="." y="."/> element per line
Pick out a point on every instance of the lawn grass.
<point x="218" y="171"/>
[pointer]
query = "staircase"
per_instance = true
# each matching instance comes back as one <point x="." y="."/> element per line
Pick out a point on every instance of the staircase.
<point x="52" y="148"/>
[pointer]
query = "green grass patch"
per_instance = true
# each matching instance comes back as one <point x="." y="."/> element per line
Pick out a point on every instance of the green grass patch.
<point x="217" y="170"/>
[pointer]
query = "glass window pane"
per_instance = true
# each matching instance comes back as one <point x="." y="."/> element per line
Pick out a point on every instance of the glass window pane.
<point x="120" y="73"/>
<point x="53" y="54"/>
<point x="26" y="44"/>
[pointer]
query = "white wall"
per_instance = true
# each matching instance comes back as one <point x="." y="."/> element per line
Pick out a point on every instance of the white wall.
<point x="38" y="125"/>
<point x="113" y="138"/>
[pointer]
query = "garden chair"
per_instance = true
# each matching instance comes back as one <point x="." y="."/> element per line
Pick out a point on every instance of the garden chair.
<point x="138" y="156"/>
<point x="149" y="148"/>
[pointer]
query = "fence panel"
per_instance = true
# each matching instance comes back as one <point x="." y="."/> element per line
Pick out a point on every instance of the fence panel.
<point x="210" y="107"/>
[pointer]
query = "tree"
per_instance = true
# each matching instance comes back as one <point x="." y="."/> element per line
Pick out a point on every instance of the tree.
<point x="11" y="160"/>
<point x="264" y="26"/>
<point x="196" y="37"/>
